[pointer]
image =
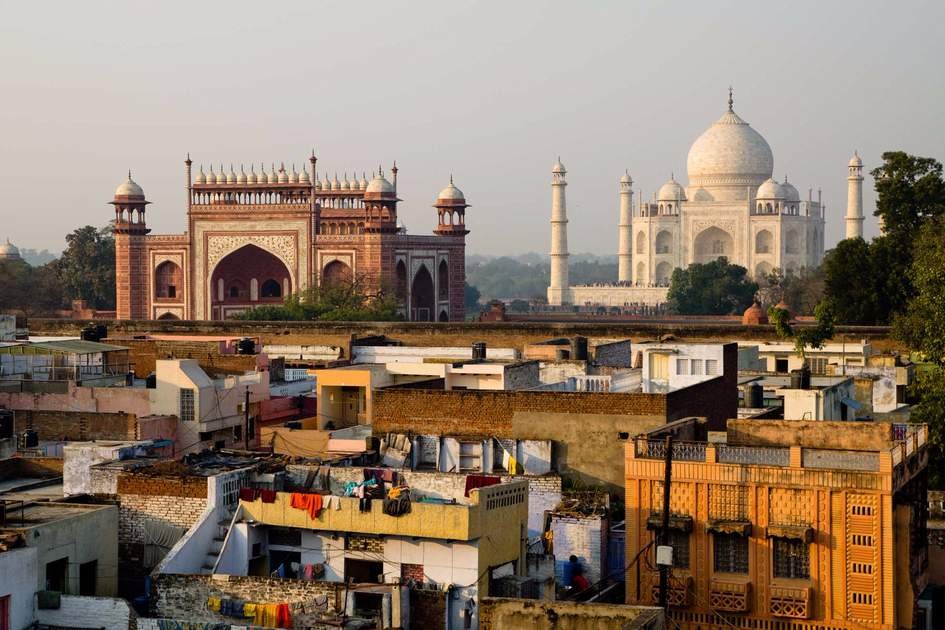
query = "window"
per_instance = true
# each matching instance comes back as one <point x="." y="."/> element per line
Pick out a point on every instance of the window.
<point x="57" y="575"/>
<point x="818" y="365"/>
<point x="234" y="291"/>
<point x="861" y="598"/>
<point x="861" y="510"/>
<point x="781" y="365"/>
<point x="711" y="367"/>
<point x="862" y="540"/>
<point x="730" y="553"/>
<point x="679" y="541"/>
<point x="682" y="367"/>
<point x="863" y="568"/>
<point x="791" y="559"/>
<point x="718" y="247"/>
<point x="697" y="367"/>
<point x="186" y="405"/>
<point x="88" y="576"/>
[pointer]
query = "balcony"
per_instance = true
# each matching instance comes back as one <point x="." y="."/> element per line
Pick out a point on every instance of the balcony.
<point x="679" y="594"/>
<point x="500" y="504"/>
<point x="788" y="601"/>
<point x="729" y="595"/>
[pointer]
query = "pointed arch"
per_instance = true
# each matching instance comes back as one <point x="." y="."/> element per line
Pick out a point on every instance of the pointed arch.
<point x="641" y="242"/>
<point x="712" y="243"/>
<point x="422" y="298"/>
<point x="764" y="242"/>
<point x="336" y="273"/>
<point x="664" y="242"/>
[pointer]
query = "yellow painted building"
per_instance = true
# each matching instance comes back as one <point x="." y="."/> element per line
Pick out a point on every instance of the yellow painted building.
<point x="492" y="527"/>
<point x="788" y="524"/>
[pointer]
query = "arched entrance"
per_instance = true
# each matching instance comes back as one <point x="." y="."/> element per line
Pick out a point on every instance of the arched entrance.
<point x="664" y="272"/>
<point x="168" y="317"/>
<point x="247" y="277"/>
<point x="712" y="243"/>
<point x="443" y="276"/>
<point x="422" y="300"/>
<point x="336" y="273"/>
<point x="168" y="281"/>
<point x="763" y="270"/>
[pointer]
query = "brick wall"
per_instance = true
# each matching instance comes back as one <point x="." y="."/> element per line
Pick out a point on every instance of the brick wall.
<point x="479" y="412"/>
<point x="185" y="596"/>
<point x="78" y="425"/>
<point x="90" y="612"/>
<point x="143" y="353"/>
<point x="427" y="609"/>
<point x="147" y="485"/>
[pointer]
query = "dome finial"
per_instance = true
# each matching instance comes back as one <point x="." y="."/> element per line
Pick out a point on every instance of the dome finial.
<point x="731" y="101"/>
<point x="129" y="174"/>
<point x="451" y="179"/>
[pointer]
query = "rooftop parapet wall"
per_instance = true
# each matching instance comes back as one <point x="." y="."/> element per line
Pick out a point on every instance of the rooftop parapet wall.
<point x="886" y="469"/>
<point x="498" y="334"/>
<point x="492" y="508"/>
<point x="860" y="436"/>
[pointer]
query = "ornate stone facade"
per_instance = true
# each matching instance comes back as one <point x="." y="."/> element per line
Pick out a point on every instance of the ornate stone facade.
<point x="253" y="239"/>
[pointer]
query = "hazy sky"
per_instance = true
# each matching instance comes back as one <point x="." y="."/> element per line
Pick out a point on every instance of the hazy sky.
<point x="490" y="91"/>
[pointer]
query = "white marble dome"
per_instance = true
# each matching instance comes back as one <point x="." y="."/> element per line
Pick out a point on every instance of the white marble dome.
<point x="129" y="188"/>
<point x="451" y="193"/>
<point x="855" y="160"/>
<point x="8" y="250"/>
<point x="671" y="191"/>
<point x="770" y="189"/>
<point x="790" y="192"/>
<point x="379" y="185"/>
<point x="729" y="152"/>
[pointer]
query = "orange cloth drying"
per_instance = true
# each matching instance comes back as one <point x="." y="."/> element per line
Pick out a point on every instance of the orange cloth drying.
<point x="310" y="502"/>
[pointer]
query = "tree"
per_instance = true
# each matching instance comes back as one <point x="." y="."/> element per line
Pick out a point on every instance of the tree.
<point x="713" y="288"/>
<point x="471" y="297"/>
<point x="346" y="301"/>
<point x="849" y="284"/>
<point x="86" y="268"/>
<point x="871" y="283"/>
<point x="910" y="191"/>
<point x="30" y="290"/>
<point x="922" y="327"/>
<point x="809" y="336"/>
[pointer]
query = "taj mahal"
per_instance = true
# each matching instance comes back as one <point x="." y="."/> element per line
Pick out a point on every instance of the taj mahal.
<point x="731" y="207"/>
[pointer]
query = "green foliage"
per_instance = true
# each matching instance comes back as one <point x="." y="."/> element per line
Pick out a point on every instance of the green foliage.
<point x="471" y="297"/>
<point x="871" y="283"/>
<point x="30" y="290"/>
<point x="713" y="288"/>
<point x="849" y="283"/>
<point x="910" y="191"/>
<point x="509" y="278"/>
<point x="343" y="302"/>
<point x="86" y="268"/>
<point x="808" y="336"/>
<point x="519" y="306"/>
<point x="922" y="327"/>
<point x="929" y="388"/>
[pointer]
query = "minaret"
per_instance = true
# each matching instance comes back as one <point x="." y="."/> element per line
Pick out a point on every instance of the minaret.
<point x="624" y="249"/>
<point x="558" y="292"/>
<point x="131" y="265"/>
<point x="854" y="218"/>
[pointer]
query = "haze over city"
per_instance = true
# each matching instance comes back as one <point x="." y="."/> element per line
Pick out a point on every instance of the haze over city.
<point x="490" y="92"/>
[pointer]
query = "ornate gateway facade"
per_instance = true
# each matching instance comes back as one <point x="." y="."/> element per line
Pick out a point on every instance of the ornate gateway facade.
<point x="253" y="239"/>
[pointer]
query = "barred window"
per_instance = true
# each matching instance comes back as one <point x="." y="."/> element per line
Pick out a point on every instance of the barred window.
<point x="711" y="367"/>
<point x="730" y="553"/>
<point x="679" y="541"/>
<point x="791" y="559"/>
<point x="818" y="365"/>
<point x="186" y="405"/>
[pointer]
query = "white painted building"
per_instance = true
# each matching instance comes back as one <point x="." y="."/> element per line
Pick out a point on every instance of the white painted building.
<point x="672" y="366"/>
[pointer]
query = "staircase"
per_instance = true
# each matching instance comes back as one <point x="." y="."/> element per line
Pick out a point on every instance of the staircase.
<point x="216" y="545"/>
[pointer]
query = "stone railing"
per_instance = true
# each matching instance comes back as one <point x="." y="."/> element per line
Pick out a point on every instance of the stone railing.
<point x="793" y="602"/>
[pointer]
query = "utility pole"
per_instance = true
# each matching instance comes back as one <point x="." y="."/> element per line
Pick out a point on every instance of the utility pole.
<point x="663" y="550"/>
<point x="246" y="420"/>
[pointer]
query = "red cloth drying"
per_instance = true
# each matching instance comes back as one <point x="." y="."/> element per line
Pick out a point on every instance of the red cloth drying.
<point x="267" y="496"/>
<point x="249" y="494"/>
<point x="310" y="502"/>
<point x="283" y="616"/>
<point x="480" y="481"/>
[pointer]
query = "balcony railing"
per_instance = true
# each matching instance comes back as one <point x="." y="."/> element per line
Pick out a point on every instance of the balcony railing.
<point x="729" y="596"/>
<point x="682" y="451"/>
<point x="793" y="602"/>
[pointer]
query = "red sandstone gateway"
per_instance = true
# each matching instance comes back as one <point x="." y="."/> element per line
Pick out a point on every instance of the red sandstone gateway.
<point x="255" y="237"/>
